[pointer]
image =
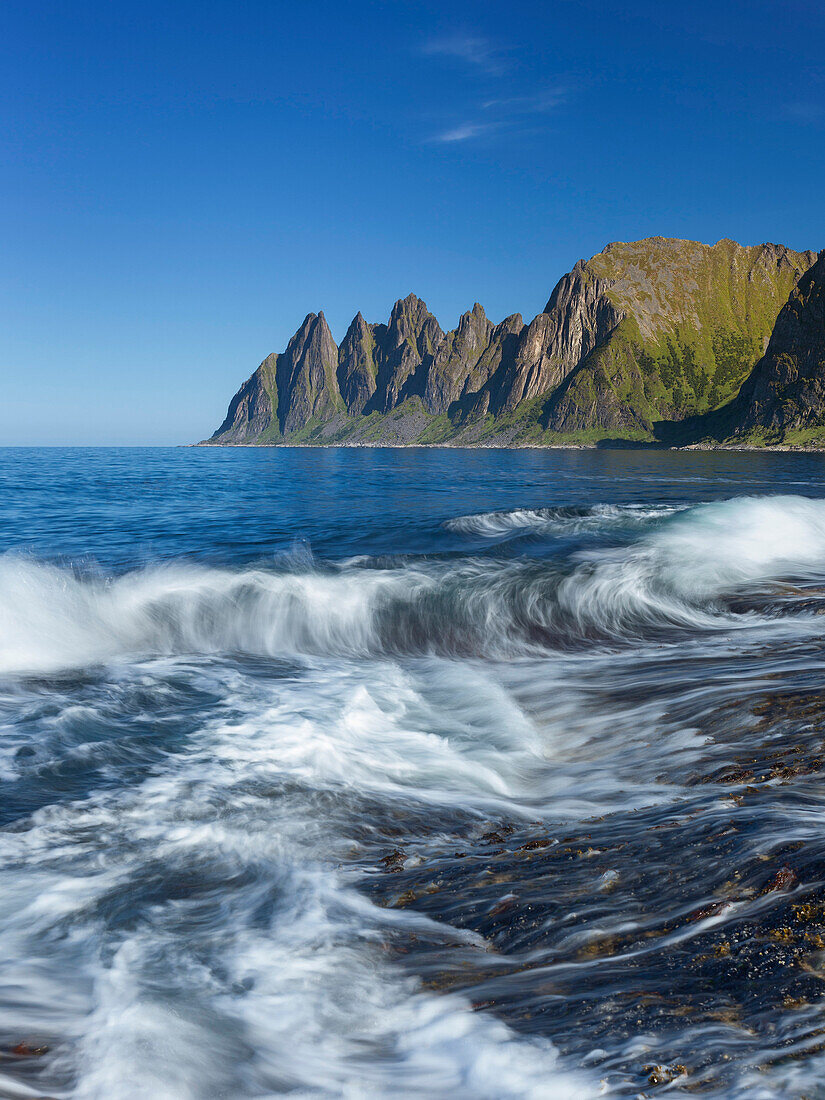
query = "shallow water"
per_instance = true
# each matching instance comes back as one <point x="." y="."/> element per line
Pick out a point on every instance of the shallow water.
<point x="424" y="773"/>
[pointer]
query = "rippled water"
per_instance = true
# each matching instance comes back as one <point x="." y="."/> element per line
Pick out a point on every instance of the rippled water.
<point x="411" y="773"/>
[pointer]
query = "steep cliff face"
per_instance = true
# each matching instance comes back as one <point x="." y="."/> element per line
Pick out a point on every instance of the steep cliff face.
<point x="643" y="333"/>
<point x="493" y="368"/>
<point x="695" y="320"/>
<point x="307" y="376"/>
<point x="407" y="351"/>
<point x="357" y="366"/>
<point x="456" y="358"/>
<point x="577" y="318"/>
<point x="786" y="391"/>
<point x="250" y="411"/>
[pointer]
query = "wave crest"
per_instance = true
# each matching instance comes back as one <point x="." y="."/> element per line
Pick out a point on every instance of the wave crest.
<point x="671" y="578"/>
<point x="561" y="521"/>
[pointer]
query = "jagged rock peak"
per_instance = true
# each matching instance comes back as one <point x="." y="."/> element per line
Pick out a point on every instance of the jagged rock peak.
<point x="358" y="329"/>
<point x="357" y="366"/>
<point x="452" y="371"/>
<point x="307" y="387"/>
<point x="250" y="411"/>
<point x="578" y="316"/>
<point x="409" y="344"/>
<point x="411" y="314"/>
<point x="476" y="311"/>
<point x="513" y="323"/>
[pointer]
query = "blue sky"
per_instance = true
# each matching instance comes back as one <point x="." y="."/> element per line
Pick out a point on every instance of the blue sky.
<point x="180" y="183"/>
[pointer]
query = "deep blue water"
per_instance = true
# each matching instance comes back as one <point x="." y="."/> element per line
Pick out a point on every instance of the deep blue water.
<point x="371" y="773"/>
<point x="231" y="506"/>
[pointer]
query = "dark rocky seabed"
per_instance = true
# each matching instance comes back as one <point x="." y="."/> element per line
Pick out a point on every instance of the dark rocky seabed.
<point x="411" y="773"/>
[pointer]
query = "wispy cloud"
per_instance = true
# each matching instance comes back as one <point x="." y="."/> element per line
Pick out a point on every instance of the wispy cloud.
<point x="465" y="132"/>
<point x="513" y="114"/>
<point x="536" y="103"/>
<point x="509" y="107"/>
<point x="474" y="50"/>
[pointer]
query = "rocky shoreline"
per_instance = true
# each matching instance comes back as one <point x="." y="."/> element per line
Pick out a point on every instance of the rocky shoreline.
<point x="785" y="448"/>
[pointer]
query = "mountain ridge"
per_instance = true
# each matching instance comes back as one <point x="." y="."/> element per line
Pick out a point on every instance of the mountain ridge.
<point x="644" y="334"/>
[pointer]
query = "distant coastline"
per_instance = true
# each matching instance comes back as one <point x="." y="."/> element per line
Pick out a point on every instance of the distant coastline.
<point x="783" y="448"/>
<point x="655" y="343"/>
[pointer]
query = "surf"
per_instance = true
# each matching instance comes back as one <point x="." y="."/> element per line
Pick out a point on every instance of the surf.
<point x="672" y="578"/>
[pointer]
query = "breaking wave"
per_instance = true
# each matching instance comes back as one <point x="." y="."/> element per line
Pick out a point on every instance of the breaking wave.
<point x="338" y="871"/>
<point x="561" y="521"/>
<point x="674" y="577"/>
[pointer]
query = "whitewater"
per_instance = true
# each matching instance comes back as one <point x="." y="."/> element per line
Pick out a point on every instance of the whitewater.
<point x="366" y="774"/>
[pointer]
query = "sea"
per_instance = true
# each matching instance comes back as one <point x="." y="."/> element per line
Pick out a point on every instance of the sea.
<point x="384" y="773"/>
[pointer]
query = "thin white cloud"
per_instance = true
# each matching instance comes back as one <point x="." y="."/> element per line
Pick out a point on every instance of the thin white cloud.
<point x="465" y="132"/>
<point x="514" y="114"/>
<point x="536" y="103"/>
<point x="512" y="109"/>
<point x="473" y="50"/>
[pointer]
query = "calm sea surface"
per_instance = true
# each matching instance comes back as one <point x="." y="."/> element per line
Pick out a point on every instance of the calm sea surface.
<point x="428" y="773"/>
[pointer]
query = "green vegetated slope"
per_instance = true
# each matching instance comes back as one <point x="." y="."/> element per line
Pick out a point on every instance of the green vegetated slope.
<point x="644" y="334"/>
<point x="782" y="402"/>
<point x="697" y="320"/>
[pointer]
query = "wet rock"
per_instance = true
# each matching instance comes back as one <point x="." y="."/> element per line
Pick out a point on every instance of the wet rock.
<point x="663" y="1075"/>
<point x="505" y="903"/>
<point x="394" y="861"/>
<point x="534" y="845"/>
<point x="783" y="880"/>
<point x="706" y="911"/>
<point x="750" y="964"/>
<point x="26" y="1050"/>
<point x="608" y="881"/>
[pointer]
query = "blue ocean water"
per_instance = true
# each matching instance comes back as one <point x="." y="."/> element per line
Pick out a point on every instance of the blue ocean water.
<point x="262" y="711"/>
<point x="123" y="507"/>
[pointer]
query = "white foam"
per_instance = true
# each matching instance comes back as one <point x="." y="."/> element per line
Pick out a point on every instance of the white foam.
<point x="53" y="619"/>
<point x="194" y="936"/>
<point x="747" y="540"/>
<point x="50" y="618"/>
<point x="561" y="521"/>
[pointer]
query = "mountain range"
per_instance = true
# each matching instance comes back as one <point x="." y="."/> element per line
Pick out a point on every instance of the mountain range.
<point x="659" y="340"/>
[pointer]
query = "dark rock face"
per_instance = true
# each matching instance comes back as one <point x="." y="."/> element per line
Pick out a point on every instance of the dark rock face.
<point x="641" y="334"/>
<point x="408" y="349"/>
<point x="786" y="390"/>
<point x="306" y="376"/>
<point x="452" y="371"/>
<point x="250" y="410"/>
<point x="577" y="318"/>
<point x="493" y="368"/>
<point x="357" y="366"/>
